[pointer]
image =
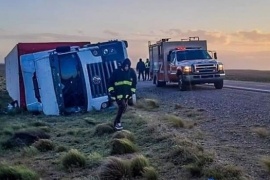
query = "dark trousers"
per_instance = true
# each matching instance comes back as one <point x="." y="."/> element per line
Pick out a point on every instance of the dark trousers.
<point x="147" y="75"/>
<point x="139" y="76"/>
<point x="122" y="106"/>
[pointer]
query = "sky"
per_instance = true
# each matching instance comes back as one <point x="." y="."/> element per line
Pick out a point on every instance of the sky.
<point x="239" y="30"/>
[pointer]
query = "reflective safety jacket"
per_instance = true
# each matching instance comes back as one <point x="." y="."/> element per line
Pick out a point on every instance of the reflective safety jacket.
<point x="147" y="65"/>
<point x="122" y="84"/>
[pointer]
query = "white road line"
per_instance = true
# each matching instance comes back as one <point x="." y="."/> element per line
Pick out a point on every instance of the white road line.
<point x="247" y="89"/>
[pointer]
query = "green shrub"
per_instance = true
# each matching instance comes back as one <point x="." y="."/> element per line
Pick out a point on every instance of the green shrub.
<point x="114" y="169"/>
<point x="74" y="158"/>
<point x="137" y="164"/>
<point x="17" y="172"/>
<point x="44" y="145"/>
<point x="123" y="146"/>
<point x="124" y="134"/>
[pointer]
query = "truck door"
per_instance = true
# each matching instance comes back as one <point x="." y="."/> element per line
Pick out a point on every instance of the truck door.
<point x="172" y="66"/>
<point x="71" y="94"/>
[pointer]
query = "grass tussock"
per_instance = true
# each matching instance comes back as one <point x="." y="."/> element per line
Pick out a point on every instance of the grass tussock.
<point x="95" y="159"/>
<point x="25" y="137"/>
<point x="114" y="169"/>
<point x="137" y="165"/>
<point x="90" y="121"/>
<point x="17" y="172"/>
<point x="178" y="122"/>
<point x="147" y="104"/>
<point x="123" y="146"/>
<point x="104" y="128"/>
<point x="223" y="172"/>
<point x="124" y="134"/>
<point x="38" y="124"/>
<point x="29" y="151"/>
<point x="61" y="149"/>
<point x="44" y="145"/>
<point x="74" y="158"/>
<point x="266" y="162"/>
<point x="149" y="173"/>
<point x="261" y="132"/>
<point x="175" y="121"/>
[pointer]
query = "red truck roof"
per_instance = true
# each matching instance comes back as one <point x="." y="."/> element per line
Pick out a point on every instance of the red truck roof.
<point x="26" y="48"/>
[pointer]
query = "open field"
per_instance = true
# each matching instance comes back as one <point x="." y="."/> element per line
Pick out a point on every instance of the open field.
<point x="84" y="146"/>
<point x="248" y="75"/>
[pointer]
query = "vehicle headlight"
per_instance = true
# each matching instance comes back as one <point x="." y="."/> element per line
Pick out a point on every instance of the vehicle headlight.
<point x="220" y="67"/>
<point x="186" y="69"/>
<point x="105" y="51"/>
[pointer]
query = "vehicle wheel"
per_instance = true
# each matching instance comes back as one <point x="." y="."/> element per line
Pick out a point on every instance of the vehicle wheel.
<point x="181" y="85"/>
<point x="160" y="83"/>
<point x="219" y="84"/>
<point x="155" y="80"/>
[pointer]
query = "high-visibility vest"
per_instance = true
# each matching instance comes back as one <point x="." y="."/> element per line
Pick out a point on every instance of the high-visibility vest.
<point x="147" y="65"/>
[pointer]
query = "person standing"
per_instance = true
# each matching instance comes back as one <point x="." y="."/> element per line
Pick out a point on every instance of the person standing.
<point x="147" y="69"/>
<point x="122" y="85"/>
<point x="140" y="69"/>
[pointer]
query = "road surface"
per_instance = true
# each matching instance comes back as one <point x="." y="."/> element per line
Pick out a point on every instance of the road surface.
<point x="231" y="114"/>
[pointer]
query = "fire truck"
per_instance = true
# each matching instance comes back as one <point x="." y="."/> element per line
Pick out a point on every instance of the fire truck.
<point x="186" y="62"/>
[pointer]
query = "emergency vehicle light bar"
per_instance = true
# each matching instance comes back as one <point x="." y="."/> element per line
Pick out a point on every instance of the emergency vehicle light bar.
<point x="182" y="48"/>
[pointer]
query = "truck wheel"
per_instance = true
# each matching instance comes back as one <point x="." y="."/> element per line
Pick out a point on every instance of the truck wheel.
<point x="155" y="80"/>
<point x="219" y="84"/>
<point x="181" y="85"/>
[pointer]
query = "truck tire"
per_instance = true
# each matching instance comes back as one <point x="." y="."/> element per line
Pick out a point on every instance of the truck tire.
<point x="181" y="84"/>
<point x="219" y="84"/>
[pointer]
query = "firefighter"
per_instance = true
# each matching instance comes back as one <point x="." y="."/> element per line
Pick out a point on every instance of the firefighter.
<point x="122" y="85"/>
<point x="147" y="68"/>
<point x="140" y="69"/>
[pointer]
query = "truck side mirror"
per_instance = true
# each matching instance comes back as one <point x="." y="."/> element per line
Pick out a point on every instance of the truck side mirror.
<point x="215" y="55"/>
<point x="126" y="43"/>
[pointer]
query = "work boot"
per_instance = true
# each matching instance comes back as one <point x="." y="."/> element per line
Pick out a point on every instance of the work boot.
<point x="118" y="127"/>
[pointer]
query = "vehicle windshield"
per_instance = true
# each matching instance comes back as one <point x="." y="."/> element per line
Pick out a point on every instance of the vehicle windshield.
<point x="192" y="54"/>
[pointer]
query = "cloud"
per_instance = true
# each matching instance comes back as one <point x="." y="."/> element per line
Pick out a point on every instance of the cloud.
<point x="241" y="49"/>
<point x="113" y="33"/>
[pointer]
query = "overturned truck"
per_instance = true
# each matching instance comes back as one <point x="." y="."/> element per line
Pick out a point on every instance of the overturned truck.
<point x="64" y="79"/>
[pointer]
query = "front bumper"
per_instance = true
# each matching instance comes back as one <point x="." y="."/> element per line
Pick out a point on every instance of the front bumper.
<point x="203" y="78"/>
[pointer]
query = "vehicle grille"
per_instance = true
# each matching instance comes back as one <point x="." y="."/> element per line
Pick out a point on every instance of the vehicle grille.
<point x="99" y="74"/>
<point x="97" y="80"/>
<point x="204" y="68"/>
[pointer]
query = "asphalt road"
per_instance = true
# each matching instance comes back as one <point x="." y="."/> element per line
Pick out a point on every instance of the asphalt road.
<point x="245" y="85"/>
<point x="231" y="115"/>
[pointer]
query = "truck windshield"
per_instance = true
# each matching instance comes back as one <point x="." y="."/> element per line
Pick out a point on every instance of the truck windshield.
<point x="192" y="55"/>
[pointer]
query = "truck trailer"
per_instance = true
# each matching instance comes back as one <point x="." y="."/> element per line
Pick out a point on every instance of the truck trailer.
<point x="14" y="79"/>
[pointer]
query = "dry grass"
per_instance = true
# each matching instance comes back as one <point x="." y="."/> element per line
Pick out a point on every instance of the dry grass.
<point x="137" y="164"/>
<point x="30" y="151"/>
<point x="44" y="145"/>
<point x="228" y="172"/>
<point x="147" y="104"/>
<point x="150" y="173"/>
<point x="261" y="132"/>
<point x="17" y="172"/>
<point x="178" y="122"/>
<point x="124" y="134"/>
<point x="95" y="159"/>
<point x="265" y="161"/>
<point x="104" y="128"/>
<point x="73" y="158"/>
<point x="114" y="169"/>
<point x="248" y="75"/>
<point x="123" y="146"/>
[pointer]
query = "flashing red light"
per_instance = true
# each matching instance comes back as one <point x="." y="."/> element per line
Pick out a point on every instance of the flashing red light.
<point x="182" y="48"/>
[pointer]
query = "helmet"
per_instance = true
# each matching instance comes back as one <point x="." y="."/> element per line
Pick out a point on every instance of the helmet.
<point x="126" y="62"/>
